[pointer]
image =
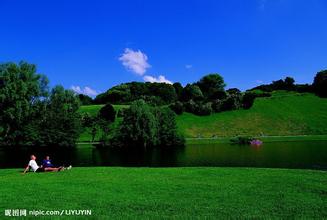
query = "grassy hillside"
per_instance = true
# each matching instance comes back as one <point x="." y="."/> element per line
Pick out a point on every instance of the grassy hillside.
<point x="152" y="193"/>
<point x="284" y="113"/>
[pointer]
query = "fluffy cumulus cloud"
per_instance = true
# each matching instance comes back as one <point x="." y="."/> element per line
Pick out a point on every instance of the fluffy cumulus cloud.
<point x="135" y="61"/>
<point x="86" y="90"/>
<point x="159" y="79"/>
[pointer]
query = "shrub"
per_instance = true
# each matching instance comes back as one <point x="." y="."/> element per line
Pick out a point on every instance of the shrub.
<point x="190" y="106"/>
<point x="320" y="84"/>
<point x="107" y="113"/>
<point x="241" y="140"/>
<point x="177" y="107"/>
<point x="203" y="109"/>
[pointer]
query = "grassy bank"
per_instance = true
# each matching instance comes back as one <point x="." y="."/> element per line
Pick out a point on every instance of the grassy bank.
<point x="170" y="192"/>
<point x="284" y="114"/>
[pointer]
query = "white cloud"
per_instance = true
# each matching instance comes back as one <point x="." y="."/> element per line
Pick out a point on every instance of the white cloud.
<point x="86" y="90"/>
<point x="188" y="66"/>
<point x="159" y="79"/>
<point x="135" y="61"/>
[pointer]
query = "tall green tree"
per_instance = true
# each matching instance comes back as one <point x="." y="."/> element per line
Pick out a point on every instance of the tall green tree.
<point x="22" y="91"/>
<point x="320" y="84"/>
<point x="139" y="126"/>
<point x="62" y="124"/>
<point x="29" y="114"/>
<point x="212" y="86"/>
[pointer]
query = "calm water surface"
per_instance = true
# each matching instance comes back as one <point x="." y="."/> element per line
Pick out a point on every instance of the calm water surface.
<point x="304" y="154"/>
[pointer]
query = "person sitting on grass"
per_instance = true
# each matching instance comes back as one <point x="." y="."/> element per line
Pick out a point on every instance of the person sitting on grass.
<point x="47" y="162"/>
<point x="35" y="168"/>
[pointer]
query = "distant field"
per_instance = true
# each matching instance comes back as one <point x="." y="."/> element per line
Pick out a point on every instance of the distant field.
<point x="283" y="114"/>
<point x="165" y="193"/>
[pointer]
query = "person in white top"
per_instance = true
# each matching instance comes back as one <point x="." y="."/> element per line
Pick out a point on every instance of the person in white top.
<point x="35" y="168"/>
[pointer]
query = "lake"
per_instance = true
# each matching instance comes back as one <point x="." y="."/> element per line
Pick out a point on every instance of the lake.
<point x="304" y="154"/>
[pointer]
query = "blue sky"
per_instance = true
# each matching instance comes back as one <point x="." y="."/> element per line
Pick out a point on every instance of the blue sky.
<point x="97" y="44"/>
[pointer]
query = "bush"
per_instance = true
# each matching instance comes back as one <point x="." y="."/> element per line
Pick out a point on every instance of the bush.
<point x="190" y="106"/>
<point x="320" y="84"/>
<point x="177" y="107"/>
<point x="232" y="102"/>
<point x="241" y="140"/>
<point x="107" y="113"/>
<point x="121" y="112"/>
<point x="203" y="109"/>
<point x="217" y="105"/>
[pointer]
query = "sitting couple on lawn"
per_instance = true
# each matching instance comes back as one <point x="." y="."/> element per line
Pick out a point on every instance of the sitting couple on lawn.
<point x="46" y="166"/>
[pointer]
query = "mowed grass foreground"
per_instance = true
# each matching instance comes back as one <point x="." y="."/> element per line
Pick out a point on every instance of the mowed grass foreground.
<point x="170" y="192"/>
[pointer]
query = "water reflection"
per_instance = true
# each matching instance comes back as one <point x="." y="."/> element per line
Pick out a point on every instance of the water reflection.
<point x="306" y="154"/>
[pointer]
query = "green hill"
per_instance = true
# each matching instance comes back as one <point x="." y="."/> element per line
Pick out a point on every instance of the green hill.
<point x="282" y="114"/>
<point x="285" y="113"/>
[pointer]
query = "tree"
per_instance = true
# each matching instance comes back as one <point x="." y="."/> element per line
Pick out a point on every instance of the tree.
<point x="192" y="91"/>
<point x="178" y="89"/>
<point x="107" y="116"/>
<point x="212" y="86"/>
<point x="167" y="128"/>
<point x="22" y="92"/>
<point x="139" y="127"/>
<point x="177" y="107"/>
<point x="146" y="127"/>
<point x="107" y="113"/>
<point x="320" y="84"/>
<point x="85" y="100"/>
<point x="29" y="114"/>
<point x="62" y="122"/>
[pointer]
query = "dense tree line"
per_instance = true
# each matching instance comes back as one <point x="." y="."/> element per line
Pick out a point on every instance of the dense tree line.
<point x="206" y="96"/>
<point x="31" y="113"/>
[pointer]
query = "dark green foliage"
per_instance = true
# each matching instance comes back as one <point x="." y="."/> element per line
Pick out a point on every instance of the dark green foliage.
<point x="286" y="84"/>
<point x="190" y="106"/>
<point x="62" y="123"/>
<point x="121" y="112"/>
<point x="157" y="93"/>
<point x="139" y="127"/>
<point x="248" y="100"/>
<point x="241" y="140"/>
<point x="203" y="109"/>
<point x="233" y="91"/>
<point x="217" y="105"/>
<point x="85" y="100"/>
<point x="320" y="84"/>
<point x="232" y="102"/>
<point x="212" y="86"/>
<point x="107" y="113"/>
<point x="167" y="128"/>
<point x="145" y="126"/>
<point x="177" y="107"/>
<point x="178" y="89"/>
<point x="192" y="92"/>
<point x="29" y="115"/>
<point x="198" y="108"/>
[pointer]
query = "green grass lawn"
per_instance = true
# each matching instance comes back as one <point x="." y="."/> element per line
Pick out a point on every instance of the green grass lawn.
<point x="170" y="192"/>
<point x="283" y="114"/>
